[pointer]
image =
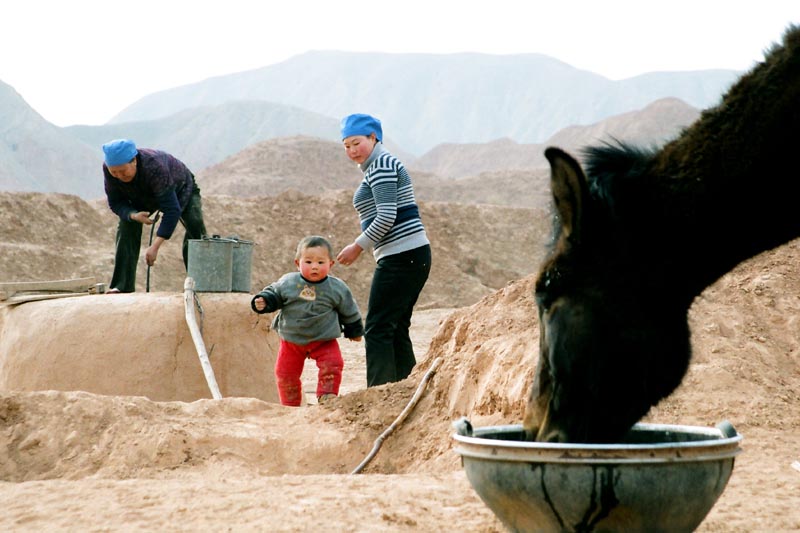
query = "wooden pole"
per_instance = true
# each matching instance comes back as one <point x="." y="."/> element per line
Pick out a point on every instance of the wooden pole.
<point x="197" y="337"/>
<point x="16" y="300"/>
<point x="9" y="289"/>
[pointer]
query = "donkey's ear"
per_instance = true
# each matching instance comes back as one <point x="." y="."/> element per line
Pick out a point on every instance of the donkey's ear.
<point x="568" y="184"/>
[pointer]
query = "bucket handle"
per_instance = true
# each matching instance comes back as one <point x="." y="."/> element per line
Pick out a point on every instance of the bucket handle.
<point x="463" y="427"/>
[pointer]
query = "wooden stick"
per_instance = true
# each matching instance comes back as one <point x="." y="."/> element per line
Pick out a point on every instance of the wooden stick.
<point x="399" y="420"/>
<point x="70" y="285"/>
<point x="197" y="337"/>
<point x="16" y="300"/>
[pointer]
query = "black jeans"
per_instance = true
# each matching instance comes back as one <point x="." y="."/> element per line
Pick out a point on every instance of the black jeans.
<point x="396" y="285"/>
<point x="129" y="243"/>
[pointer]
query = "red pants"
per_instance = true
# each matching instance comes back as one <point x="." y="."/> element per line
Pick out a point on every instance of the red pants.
<point x="289" y="368"/>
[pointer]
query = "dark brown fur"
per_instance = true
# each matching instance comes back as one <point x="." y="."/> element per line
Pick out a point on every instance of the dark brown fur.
<point x="641" y="233"/>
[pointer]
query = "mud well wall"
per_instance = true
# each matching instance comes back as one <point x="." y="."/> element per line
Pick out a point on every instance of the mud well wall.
<point x="137" y="344"/>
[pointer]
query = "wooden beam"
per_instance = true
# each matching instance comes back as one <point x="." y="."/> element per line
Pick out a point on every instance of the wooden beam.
<point x="15" y="300"/>
<point x="7" y="290"/>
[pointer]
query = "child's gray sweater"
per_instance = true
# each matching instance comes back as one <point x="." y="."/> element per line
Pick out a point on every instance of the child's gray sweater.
<point x="312" y="311"/>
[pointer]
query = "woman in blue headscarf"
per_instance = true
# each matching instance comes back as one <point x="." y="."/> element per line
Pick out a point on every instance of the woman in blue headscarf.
<point x="139" y="182"/>
<point x="392" y="228"/>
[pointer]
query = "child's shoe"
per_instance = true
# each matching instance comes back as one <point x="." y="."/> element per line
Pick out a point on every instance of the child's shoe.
<point x="326" y="397"/>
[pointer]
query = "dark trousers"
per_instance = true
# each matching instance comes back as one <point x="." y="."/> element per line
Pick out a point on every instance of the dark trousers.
<point x="396" y="285"/>
<point x="129" y="243"/>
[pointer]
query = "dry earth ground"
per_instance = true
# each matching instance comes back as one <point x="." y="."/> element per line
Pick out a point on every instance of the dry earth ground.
<point x="75" y="461"/>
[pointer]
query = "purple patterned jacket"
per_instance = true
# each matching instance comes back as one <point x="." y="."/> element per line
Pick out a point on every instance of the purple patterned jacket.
<point x="162" y="183"/>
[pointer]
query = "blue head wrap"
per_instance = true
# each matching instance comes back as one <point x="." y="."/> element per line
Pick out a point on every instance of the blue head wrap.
<point x="119" y="152"/>
<point x="361" y="124"/>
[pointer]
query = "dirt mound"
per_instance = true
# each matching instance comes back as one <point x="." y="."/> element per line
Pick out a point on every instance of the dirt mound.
<point x="652" y="126"/>
<point x="528" y="188"/>
<point x="271" y="167"/>
<point x="519" y="177"/>
<point x="476" y="248"/>
<point x="122" y="462"/>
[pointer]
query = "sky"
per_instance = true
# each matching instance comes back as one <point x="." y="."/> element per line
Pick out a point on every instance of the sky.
<point x="83" y="61"/>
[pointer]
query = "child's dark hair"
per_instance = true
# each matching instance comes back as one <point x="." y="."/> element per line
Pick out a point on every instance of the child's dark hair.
<point x="313" y="241"/>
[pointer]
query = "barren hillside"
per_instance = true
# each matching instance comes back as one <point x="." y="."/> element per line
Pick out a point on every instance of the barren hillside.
<point x="73" y="460"/>
<point x="651" y="125"/>
<point x="654" y="125"/>
<point x="314" y="166"/>
<point x="476" y="248"/>
<point x="270" y="167"/>
<point x="87" y="461"/>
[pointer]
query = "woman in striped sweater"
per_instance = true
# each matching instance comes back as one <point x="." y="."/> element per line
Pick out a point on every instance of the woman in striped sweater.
<point x="391" y="226"/>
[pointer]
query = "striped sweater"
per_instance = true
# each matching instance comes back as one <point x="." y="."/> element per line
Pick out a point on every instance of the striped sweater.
<point x="390" y="220"/>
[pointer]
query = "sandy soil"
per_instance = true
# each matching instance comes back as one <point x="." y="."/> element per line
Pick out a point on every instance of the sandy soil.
<point x="78" y="461"/>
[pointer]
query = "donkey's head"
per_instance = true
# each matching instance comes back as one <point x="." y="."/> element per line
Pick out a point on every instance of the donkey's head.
<point x="613" y="341"/>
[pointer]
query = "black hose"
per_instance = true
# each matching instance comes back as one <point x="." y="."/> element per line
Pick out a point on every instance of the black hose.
<point x="150" y="243"/>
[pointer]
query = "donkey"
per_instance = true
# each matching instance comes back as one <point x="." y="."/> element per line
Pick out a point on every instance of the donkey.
<point x="641" y="233"/>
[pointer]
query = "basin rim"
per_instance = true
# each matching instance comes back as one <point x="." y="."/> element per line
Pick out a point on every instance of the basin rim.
<point x="716" y="447"/>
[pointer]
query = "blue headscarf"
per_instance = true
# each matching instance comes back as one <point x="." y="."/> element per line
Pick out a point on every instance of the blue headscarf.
<point x="361" y="124"/>
<point x="119" y="152"/>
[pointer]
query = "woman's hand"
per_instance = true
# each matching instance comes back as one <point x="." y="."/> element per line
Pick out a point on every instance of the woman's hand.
<point x="349" y="254"/>
<point x="142" y="217"/>
<point x="151" y="253"/>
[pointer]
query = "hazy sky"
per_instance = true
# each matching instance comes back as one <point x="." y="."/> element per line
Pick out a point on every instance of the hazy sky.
<point x="82" y="61"/>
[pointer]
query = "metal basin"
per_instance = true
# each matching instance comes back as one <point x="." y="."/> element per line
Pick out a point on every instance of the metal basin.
<point x="659" y="478"/>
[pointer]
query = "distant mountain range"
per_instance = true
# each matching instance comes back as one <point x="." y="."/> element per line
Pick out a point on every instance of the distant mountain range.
<point x="658" y="122"/>
<point x="204" y="135"/>
<point x="501" y="172"/>
<point x="428" y="99"/>
<point x="38" y="156"/>
<point x="464" y="100"/>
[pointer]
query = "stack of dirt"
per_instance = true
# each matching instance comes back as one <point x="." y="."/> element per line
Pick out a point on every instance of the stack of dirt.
<point x="121" y="462"/>
<point x="476" y="248"/>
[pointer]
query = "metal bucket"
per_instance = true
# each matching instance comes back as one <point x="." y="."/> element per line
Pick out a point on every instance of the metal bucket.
<point x="242" y="265"/>
<point x="211" y="264"/>
<point x="660" y="478"/>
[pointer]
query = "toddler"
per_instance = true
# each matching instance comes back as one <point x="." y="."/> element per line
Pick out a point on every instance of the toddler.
<point x="315" y="309"/>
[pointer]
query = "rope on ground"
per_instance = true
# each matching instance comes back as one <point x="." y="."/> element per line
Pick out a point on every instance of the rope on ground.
<point x="401" y="417"/>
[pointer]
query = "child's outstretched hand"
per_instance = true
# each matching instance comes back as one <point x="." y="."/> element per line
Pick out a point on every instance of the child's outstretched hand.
<point x="259" y="303"/>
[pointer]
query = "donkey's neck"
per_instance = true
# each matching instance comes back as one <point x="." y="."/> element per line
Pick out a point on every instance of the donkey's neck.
<point x="726" y="202"/>
<point x="729" y="186"/>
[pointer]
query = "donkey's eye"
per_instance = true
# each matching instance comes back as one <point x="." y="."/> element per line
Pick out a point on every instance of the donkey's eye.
<point x="548" y="287"/>
<point x="552" y="279"/>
